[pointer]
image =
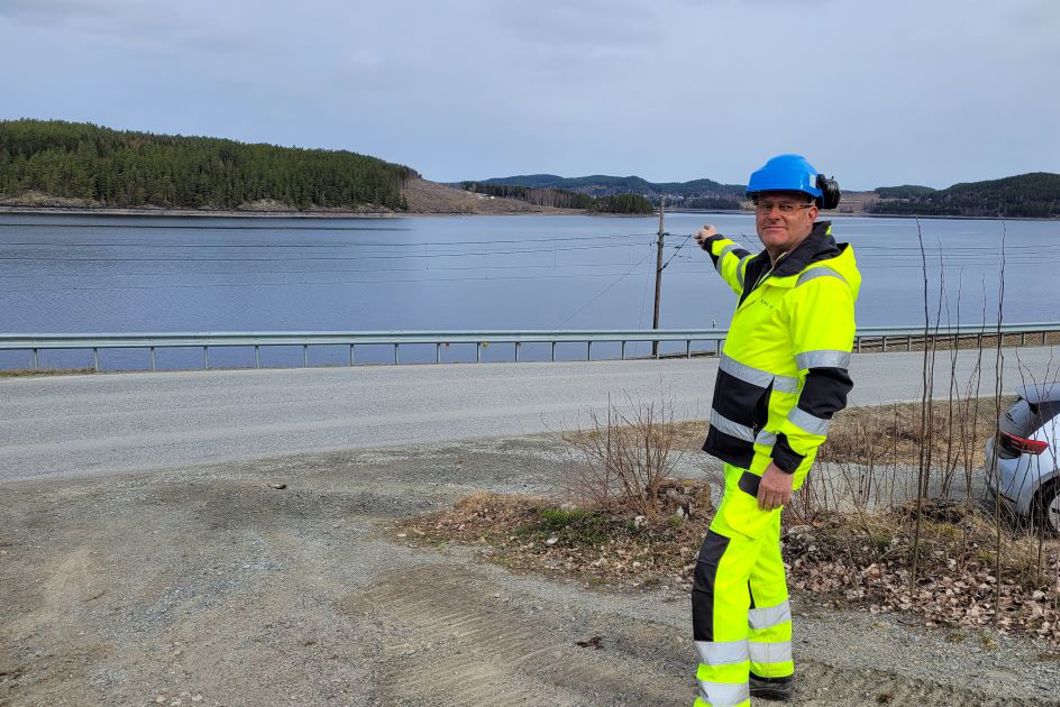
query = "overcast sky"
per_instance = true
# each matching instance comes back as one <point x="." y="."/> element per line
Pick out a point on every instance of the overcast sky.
<point x="877" y="93"/>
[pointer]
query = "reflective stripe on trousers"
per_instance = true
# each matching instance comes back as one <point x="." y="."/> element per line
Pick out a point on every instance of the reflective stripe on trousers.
<point x="717" y="694"/>
<point x="740" y="613"/>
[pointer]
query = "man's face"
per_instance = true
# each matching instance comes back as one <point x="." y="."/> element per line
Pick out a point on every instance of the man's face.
<point x="783" y="220"/>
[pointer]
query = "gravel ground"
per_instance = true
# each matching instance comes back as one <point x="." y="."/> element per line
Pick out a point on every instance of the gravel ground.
<point x="207" y="586"/>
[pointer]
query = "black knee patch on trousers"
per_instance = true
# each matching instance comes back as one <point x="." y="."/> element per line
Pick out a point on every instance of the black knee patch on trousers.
<point x="707" y="562"/>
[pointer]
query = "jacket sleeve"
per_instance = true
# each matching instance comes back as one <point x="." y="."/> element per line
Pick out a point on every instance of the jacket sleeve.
<point x="730" y="260"/>
<point x="821" y="324"/>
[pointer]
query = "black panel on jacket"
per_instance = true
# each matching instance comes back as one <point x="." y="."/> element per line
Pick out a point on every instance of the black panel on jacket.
<point x="742" y="402"/>
<point x="786" y="458"/>
<point x="733" y="450"/>
<point x="825" y="391"/>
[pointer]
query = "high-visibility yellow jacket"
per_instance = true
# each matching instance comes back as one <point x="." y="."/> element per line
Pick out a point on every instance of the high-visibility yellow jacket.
<point x="783" y="370"/>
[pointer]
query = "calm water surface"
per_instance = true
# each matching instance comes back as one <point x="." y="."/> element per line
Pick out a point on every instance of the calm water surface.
<point x="141" y="274"/>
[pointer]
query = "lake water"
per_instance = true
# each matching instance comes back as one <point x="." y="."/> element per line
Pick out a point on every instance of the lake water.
<point x="154" y="274"/>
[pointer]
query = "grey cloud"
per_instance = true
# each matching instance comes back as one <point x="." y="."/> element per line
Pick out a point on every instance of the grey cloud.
<point x="615" y="24"/>
<point x="160" y="27"/>
<point x="37" y="11"/>
<point x="1035" y="15"/>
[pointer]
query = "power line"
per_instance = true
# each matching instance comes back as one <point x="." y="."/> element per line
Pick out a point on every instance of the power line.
<point x="369" y="256"/>
<point x="231" y="273"/>
<point x="160" y="286"/>
<point x="678" y="249"/>
<point x="600" y="294"/>
<point x="351" y="244"/>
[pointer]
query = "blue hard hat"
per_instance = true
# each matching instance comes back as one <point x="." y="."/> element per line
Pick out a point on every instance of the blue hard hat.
<point x="785" y="173"/>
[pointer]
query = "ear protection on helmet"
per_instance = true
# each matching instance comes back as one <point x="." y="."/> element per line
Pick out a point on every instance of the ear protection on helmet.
<point x="830" y="192"/>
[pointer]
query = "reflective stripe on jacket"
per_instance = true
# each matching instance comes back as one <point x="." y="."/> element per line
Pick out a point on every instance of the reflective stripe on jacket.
<point x="783" y="370"/>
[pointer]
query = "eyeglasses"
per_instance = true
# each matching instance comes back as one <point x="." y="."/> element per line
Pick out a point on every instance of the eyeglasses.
<point x="785" y="207"/>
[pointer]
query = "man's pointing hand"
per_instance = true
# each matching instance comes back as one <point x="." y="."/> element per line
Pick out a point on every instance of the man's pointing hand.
<point x="703" y="234"/>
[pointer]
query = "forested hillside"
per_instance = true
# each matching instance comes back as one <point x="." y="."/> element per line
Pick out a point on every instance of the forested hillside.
<point x="132" y="169"/>
<point x="1035" y="195"/>
<point x="623" y="204"/>
<point x="729" y="195"/>
<point x="559" y="198"/>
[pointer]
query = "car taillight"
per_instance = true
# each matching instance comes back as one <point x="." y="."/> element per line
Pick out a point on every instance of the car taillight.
<point x="1023" y="445"/>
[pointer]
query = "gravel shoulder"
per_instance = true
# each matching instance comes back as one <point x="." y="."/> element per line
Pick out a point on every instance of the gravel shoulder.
<point x="206" y="585"/>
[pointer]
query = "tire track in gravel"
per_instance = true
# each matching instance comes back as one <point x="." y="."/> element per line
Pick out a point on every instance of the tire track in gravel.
<point x="445" y="641"/>
<point x="823" y="686"/>
<point x="447" y="635"/>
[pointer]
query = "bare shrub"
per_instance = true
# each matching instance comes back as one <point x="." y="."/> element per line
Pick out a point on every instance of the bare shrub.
<point x="627" y="462"/>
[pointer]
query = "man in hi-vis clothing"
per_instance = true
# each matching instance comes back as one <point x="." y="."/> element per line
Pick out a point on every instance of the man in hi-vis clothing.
<point x="782" y="376"/>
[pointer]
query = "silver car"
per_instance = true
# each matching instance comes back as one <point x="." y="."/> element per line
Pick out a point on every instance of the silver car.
<point x="1023" y="474"/>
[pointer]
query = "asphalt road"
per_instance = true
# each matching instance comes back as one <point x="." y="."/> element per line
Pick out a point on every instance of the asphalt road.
<point x="85" y="425"/>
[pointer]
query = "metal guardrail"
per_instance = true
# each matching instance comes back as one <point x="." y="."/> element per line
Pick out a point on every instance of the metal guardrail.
<point x="866" y="337"/>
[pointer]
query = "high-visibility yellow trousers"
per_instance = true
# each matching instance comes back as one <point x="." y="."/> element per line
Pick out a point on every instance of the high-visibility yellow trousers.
<point x="741" y="619"/>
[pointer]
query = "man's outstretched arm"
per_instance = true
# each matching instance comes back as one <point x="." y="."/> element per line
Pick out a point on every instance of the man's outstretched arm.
<point x="730" y="260"/>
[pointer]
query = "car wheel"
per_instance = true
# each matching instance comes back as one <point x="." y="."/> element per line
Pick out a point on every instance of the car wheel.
<point x="1047" y="508"/>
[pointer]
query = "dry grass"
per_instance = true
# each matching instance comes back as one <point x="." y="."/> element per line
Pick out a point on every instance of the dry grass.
<point x="895" y="435"/>
<point x="965" y="342"/>
<point x="892" y="433"/>
<point x="596" y="546"/>
<point x="30" y="372"/>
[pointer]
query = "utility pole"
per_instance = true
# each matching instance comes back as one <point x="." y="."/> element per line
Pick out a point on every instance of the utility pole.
<point x="658" y="273"/>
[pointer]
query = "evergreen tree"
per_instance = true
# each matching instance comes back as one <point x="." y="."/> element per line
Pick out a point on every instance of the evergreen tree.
<point x="128" y="169"/>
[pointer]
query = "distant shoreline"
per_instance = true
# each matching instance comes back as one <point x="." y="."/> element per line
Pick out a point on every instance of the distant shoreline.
<point x="232" y="213"/>
<point x="218" y="213"/>
<point x="204" y="213"/>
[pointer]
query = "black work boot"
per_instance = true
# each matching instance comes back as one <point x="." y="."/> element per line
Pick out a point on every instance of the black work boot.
<point x="781" y="689"/>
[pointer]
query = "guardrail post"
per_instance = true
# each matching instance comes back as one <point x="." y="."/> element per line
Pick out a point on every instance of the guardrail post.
<point x="396" y="359"/>
<point x="588" y="350"/>
<point x="257" y="356"/>
<point x="553" y="351"/>
<point x="688" y="348"/>
<point x="437" y="352"/>
<point x="858" y="344"/>
<point x="152" y="356"/>
<point x="305" y="355"/>
<point x="1023" y="338"/>
<point x="351" y="354"/>
<point x="622" y="355"/>
<point x="205" y="358"/>
<point x="1043" y="337"/>
<point x="36" y="359"/>
<point x="95" y="360"/>
<point x="909" y="343"/>
<point x="517" y="352"/>
<point x="478" y="352"/>
<point x="884" y="345"/>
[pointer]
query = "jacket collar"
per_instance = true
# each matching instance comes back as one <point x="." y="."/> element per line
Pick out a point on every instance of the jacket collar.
<point x="819" y="245"/>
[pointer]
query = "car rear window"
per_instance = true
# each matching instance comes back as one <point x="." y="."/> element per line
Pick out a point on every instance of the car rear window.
<point x="1023" y="418"/>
